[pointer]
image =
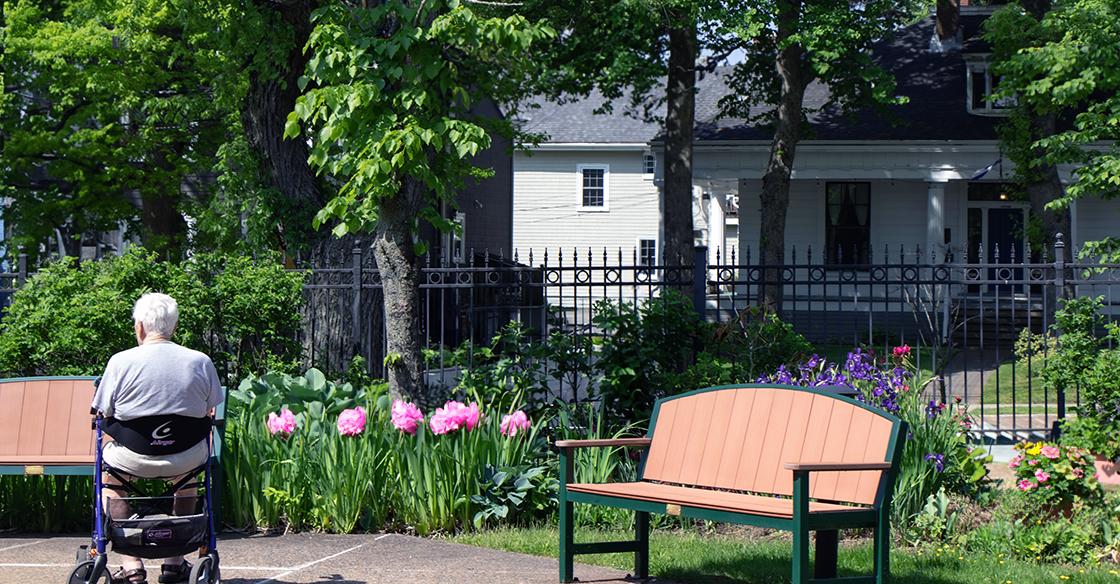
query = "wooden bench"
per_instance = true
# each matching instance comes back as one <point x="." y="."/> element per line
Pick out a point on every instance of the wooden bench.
<point x="792" y="458"/>
<point x="45" y="426"/>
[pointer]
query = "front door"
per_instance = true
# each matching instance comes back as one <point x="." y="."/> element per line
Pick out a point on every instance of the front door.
<point x="995" y="236"/>
<point x="1005" y="245"/>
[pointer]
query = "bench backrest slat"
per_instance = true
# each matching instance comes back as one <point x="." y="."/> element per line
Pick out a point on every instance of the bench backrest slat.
<point x="45" y="419"/>
<point x="739" y="438"/>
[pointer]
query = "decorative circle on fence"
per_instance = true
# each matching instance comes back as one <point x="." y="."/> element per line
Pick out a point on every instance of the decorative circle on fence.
<point x="726" y="275"/>
<point x="552" y="276"/>
<point x="583" y="276"/>
<point x="848" y="276"/>
<point x="816" y="274"/>
<point x="523" y="277"/>
<point x="788" y="275"/>
<point x="878" y="274"/>
<point x="673" y="275"/>
<point x="909" y="273"/>
<point x="754" y="275"/>
<point x="941" y="274"/>
<point x="641" y="275"/>
<point x="464" y="277"/>
<point x="1037" y="274"/>
<point x="972" y="274"/>
<point x="1003" y="274"/>
<point x="435" y="278"/>
<point x="493" y="277"/>
<point x="612" y="276"/>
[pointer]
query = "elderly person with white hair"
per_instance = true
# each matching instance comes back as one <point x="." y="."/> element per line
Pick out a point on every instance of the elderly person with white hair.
<point x="156" y="378"/>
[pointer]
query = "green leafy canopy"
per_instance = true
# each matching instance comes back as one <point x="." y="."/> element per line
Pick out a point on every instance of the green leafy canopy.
<point x="391" y="99"/>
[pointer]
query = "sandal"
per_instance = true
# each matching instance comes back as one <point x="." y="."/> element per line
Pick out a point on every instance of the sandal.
<point x="137" y="576"/>
<point x="172" y="574"/>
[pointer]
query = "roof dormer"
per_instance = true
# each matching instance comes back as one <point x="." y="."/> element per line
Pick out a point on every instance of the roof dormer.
<point x="981" y="85"/>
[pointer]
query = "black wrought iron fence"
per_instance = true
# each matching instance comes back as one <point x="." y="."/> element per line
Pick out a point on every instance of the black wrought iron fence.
<point x="963" y="319"/>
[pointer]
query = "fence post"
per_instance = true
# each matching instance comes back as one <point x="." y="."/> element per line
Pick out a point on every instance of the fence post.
<point x="356" y="302"/>
<point x="22" y="267"/>
<point x="1059" y="294"/>
<point x="700" y="281"/>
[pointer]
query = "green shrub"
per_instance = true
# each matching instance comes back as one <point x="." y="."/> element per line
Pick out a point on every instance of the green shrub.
<point x="69" y="318"/>
<point x="1092" y="435"/>
<point x="661" y="348"/>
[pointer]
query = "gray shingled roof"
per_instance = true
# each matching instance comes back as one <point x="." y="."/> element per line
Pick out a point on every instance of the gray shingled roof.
<point x="933" y="82"/>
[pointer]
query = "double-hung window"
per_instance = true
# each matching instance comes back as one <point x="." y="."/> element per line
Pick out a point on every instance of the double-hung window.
<point x="982" y="84"/>
<point x="647" y="253"/>
<point x="847" y="223"/>
<point x="593" y="188"/>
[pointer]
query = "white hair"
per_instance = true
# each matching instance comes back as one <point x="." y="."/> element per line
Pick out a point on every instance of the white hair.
<point x="159" y="313"/>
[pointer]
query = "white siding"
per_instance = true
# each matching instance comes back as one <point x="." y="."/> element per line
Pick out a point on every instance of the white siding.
<point x="1096" y="219"/>
<point x="898" y="218"/>
<point x="546" y="199"/>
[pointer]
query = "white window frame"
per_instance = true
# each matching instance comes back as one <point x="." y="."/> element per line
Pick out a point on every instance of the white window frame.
<point x="656" y="248"/>
<point x="606" y="207"/>
<point x="648" y="173"/>
<point x="459" y="219"/>
<point x="989" y="109"/>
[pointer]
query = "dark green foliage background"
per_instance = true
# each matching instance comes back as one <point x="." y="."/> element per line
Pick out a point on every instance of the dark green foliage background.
<point x="69" y="318"/>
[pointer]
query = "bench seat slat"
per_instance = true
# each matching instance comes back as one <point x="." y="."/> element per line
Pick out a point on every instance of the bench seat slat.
<point x="692" y="497"/>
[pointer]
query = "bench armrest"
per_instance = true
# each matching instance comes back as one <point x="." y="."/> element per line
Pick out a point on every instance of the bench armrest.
<point x="571" y="444"/>
<point x="836" y="466"/>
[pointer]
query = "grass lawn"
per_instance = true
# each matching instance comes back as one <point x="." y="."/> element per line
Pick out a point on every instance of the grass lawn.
<point x="690" y="558"/>
<point x="1014" y="383"/>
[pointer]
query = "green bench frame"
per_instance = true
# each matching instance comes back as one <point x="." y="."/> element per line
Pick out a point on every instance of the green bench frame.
<point x="827" y="525"/>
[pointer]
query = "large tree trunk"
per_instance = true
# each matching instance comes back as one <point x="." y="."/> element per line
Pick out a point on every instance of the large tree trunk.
<point x="268" y="102"/>
<point x="164" y="230"/>
<point x="394" y="250"/>
<point x="776" y="180"/>
<point x="679" y="119"/>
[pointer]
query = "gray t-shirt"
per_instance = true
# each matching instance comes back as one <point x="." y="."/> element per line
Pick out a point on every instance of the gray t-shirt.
<point x="156" y="379"/>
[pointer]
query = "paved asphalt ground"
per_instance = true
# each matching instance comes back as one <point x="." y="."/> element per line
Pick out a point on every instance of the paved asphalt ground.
<point x="301" y="559"/>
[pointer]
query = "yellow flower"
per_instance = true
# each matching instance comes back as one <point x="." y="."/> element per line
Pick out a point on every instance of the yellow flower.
<point x="1034" y="449"/>
<point x="1063" y="577"/>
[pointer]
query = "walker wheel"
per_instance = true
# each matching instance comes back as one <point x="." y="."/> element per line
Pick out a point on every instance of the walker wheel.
<point x="206" y="571"/>
<point x="81" y="573"/>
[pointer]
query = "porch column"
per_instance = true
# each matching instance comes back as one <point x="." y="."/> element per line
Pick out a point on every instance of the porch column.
<point x="717" y="220"/>
<point x="935" y="222"/>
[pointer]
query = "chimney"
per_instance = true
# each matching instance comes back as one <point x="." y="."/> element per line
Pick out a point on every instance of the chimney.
<point x="948" y="14"/>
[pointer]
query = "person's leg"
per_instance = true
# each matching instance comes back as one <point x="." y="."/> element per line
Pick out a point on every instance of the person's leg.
<point x="132" y="569"/>
<point x="175" y="569"/>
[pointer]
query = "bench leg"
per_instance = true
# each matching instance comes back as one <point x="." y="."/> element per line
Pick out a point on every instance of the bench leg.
<point x="828" y="547"/>
<point x="800" y="572"/>
<point x="882" y="551"/>
<point x="641" y="533"/>
<point x="567" y="541"/>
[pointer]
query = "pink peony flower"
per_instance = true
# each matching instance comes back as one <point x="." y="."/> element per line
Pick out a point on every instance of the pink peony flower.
<point x="1025" y="485"/>
<point x="453" y="416"/>
<point x="512" y="423"/>
<point x="902" y="351"/>
<point x="283" y="424"/>
<point x="1078" y="473"/>
<point x="406" y="417"/>
<point x="352" y="422"/>
<point x="1033" y="462"/>
<point x="1041" y="475"/>
<point x="1015" y="462"/>
<point x="1051" y="452"/>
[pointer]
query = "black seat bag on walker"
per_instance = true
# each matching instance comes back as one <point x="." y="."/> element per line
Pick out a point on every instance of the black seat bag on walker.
<point x="158" y="435"/>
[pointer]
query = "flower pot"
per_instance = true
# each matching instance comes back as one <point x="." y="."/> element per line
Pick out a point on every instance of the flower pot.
<point x="1108" y="472"/>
